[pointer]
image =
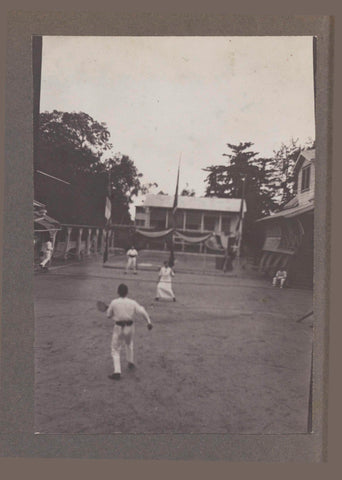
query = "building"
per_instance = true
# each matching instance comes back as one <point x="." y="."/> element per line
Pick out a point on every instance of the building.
<point x="289" y="233"/>
<point x="194" y="215"/>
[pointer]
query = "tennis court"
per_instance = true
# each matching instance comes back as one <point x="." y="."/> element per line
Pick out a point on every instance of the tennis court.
<point x="227" y="357"/>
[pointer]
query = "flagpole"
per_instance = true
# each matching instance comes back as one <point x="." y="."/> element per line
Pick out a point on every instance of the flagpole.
<point x="174" y="208"/>
<point x="241" y="221"/>
<point x="108" y="213"/>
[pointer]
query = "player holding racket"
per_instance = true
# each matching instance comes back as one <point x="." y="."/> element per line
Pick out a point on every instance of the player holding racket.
<point x="124" y="311"/>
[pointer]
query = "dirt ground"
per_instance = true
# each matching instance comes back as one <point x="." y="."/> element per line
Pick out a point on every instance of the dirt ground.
<point x="227" y="357"/>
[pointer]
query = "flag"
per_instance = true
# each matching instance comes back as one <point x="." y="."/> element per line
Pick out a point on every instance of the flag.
<point x="108" y="209"/>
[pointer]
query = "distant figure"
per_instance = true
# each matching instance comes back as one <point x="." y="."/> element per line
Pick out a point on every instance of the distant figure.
<point x="47" y="254"/>
<point x="279" y="278"/>
<point x="124" y="311"/>
<point x="131" y="260"/>
<point x="164" y="287"/>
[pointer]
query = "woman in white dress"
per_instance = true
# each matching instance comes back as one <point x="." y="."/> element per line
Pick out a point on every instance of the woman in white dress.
<point x="164" y="287"/>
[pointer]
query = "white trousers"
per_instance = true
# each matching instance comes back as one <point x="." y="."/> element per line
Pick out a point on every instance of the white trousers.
<point x="280" y="280"/>
<point x="47" y="258"/>
<point x="122" y="336"/>
<point x="131" y="263"/>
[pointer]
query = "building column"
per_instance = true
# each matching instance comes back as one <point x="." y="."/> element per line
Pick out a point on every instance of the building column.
<point x="167" y="219"/>
<point x="202" y="222"/>
<point x="88" y="242"/>
<point x="184" y="220"/>
<point x="66" y="247"/>
<point x="53" y="238"/>
<point x="220" y="223"/>
<point x="79" y="244"/>
<point x="96" y="238"/>
<point x="148" y="217"/>
<point x="103" y="241"/>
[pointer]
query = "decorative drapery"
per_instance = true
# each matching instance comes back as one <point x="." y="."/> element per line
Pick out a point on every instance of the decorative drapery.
<point x="193" y="240"/>
<point x="161" y="234"/>
<point x="213" y="244"/>
<point x="164" y="233"/>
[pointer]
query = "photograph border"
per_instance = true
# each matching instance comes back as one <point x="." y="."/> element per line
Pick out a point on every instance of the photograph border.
<point x="17" y="387"/>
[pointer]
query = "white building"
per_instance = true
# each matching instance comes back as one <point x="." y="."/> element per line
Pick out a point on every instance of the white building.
<point x="201" y="214"/>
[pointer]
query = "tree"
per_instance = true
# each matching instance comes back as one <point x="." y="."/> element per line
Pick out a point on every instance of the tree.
<point x="244" y="176"/>
<point x="146" y="187"/>
<point x="124" y="184"/>
<point x="244" y="172"/>
<point x="72" y="147"/>
<point x="70" y="143"/>
<point x="187" y="192"/>
<point x="284" y="161"/>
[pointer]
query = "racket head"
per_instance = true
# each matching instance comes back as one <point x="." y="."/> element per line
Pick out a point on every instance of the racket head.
<point x="101" y="306"/>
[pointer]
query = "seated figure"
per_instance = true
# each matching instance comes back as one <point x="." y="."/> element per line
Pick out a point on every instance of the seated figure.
<point x="279" y="278"/>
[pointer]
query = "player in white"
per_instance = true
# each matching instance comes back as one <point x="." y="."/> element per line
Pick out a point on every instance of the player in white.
<point x="47" y="251"/>
<point x="124" y="311"/>
<point x="164" y="287"/>
<point x="131" y="260"/>
<point x="280" y="277"/>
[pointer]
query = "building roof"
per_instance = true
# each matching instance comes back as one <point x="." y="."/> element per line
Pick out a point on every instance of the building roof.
<point x="309" y="155"/>
<point x="194" y="203"/>
<point x="289" y="212"/>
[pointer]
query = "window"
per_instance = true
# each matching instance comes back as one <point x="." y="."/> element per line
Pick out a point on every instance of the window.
<point x="140" y="209"/>
<point x="305" y="178"/>
<point x="210" y="222"/>
<point x="179" y="218"/>
<point x="225" y="224"/>
<point x="158" y="218"/>
<point x="140" y="223"/>
<point x="193" y="220"/>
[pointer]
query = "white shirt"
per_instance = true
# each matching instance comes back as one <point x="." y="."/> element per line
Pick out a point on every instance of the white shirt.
<point x="132" y="252"/>
<point x="126" y="309"/>
<point x="165" y="274"/>
<point x="47" y="246"/>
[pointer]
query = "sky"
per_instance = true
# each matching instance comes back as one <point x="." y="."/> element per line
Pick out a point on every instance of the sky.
<point x="166" y="98"/>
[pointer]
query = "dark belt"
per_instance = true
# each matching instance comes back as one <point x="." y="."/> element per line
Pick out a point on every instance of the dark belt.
<point x="124" y="323"/>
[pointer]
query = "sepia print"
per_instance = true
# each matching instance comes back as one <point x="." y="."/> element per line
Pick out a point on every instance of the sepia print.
<point x="174" y="200"/>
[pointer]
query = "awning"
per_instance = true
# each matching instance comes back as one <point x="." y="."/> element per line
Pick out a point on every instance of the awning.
<point x="46" y="223"/>
<point x="273" y="260"/>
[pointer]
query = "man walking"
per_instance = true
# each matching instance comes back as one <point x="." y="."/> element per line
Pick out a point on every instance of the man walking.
<point x="124" y="311"/>
<point x="47" y="251"/>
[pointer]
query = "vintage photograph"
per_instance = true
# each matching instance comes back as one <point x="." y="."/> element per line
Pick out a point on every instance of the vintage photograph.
<point x="174" y="200"/>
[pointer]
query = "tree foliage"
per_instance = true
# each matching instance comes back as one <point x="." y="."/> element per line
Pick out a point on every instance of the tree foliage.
<point x="284" y="160"/>
<point x="188" y="192"/>
<point x="244" y="175"/>
<point x="77" y="148"/>
<point x="266" y="184"/>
